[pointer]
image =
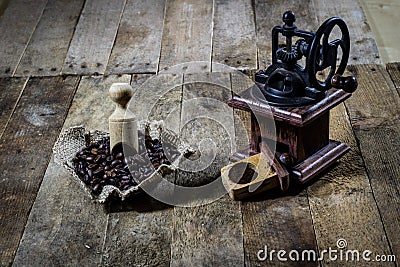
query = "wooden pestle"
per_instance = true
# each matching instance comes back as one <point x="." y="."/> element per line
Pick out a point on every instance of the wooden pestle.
<point x="122" y="122"/>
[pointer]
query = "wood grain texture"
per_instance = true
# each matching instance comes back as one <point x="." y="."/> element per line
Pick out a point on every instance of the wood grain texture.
<point x="46" y="51"/>
<point x="94" y="37"/>
<point x="201" y="233"/>
<point x="16" y="30"/>
<point x="65" y="225"/>
<point x="25" y="153"/>
<point x="158" y="98"/>
<point x="146" y="231"/>
<point x="207" y="125"/>
<point x="10" y="92"/>
<point x="279" y="222"/>
<point x="234" y="36"/>
<point x="274" y="219"/>
<point x="187" y="36"/>
<point x="208" y="235"/>
<point x="269" y="14"/>
<point x="139" y="238"/>
<point x="344" y="195"/>
<point x="380" y="16"/>
<point x="92" y="106"/>
<point x="374" y="112"/>
<point x="363" y="46"/>
<point x="138" y="42"/>
<point x="394" y="72"/>
<point x="242" y="119"/>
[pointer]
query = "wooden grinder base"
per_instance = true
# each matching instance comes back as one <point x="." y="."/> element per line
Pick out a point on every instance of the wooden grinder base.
<point x="301" y="133"/>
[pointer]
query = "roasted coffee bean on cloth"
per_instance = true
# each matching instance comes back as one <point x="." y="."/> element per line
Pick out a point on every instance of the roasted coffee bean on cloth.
<point x="97" y="166"/>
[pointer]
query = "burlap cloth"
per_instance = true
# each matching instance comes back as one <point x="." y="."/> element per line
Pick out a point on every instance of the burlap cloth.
<point x="73" y="139"/>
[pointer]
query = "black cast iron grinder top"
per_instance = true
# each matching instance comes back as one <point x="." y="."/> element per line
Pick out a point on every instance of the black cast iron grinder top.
<point x="287" y="83"/>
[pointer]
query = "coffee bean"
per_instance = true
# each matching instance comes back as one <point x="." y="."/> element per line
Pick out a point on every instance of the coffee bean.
<point x="125" y="177"/>
<point x="115" y="163"/>
<point x="126" y="187"/>
<point x="97" y="188"/>
<point x="92" y="166"/>
<point x="97" y="166"/>
<point x="97" y="159"/>
<point x="98" y="171"/>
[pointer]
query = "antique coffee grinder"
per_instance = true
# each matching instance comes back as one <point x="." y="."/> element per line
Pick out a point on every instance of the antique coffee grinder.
<point x="297" y="100"/>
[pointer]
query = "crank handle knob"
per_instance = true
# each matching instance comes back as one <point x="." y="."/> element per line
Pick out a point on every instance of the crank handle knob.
<point x="347" y="83"/>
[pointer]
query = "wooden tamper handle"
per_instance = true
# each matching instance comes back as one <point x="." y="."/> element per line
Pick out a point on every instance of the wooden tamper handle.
<point x="347" y="83"/>
<point x="122" y="122"/>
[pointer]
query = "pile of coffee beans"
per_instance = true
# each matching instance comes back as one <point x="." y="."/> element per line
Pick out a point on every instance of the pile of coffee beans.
<point x="97" y="165"/>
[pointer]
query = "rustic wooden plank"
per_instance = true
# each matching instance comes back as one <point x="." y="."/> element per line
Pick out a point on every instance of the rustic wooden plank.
<point x="210" y="234"/>
<point x="241" y="82"/>
<point x="394" y="71"/>
<point x="187" y="36"/>
<point x="146" y="231"/>
<point x="48" y="46"/>
<point x="65" y="226"/>
<point x="380" y="16"/>
<point x="92" y="106"/>
<point x="10" y="92"/>
<point x="342" y="201"/>
<point x="141" y="237"/>
<point x="234" y="36"/>
<point x="16" y="27"/>
<point x="158" y="98"/>
<point x="374" y="113"/>
<point x="206" y="124"/>
<point x="363" y="46"/>
<point x="269" y="14"/>
<point x="138" y="42"/>
<point x="276" y="220"/>
<point x="279" y="222"/>
<point x="25" y="153"/>
<point x="94" y="37"/>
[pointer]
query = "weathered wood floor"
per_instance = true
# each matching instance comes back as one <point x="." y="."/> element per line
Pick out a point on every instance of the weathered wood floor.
<point x="59" y="58"/>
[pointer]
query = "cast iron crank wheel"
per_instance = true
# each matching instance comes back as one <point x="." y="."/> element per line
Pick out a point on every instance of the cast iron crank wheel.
<point x="325" y="55"/>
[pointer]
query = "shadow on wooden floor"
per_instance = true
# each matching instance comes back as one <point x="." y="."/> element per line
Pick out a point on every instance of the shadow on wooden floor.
<point x="141" y="203"/>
